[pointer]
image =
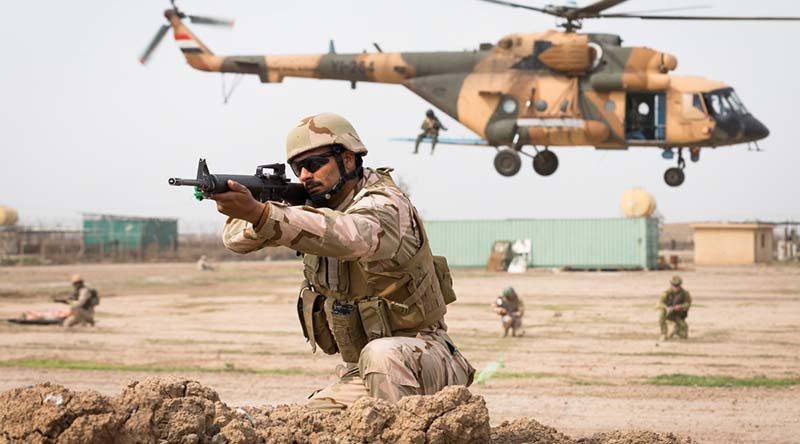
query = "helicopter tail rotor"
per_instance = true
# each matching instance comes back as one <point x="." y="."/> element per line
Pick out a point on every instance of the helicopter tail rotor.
<point x="174" y="16"/>
<point x="162" y="31"/>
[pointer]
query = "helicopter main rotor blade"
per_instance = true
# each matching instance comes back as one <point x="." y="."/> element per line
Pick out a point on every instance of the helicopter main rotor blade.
<point x="595" y="8"/>
<point x="517" y="5"/>
<point x="201" y="20"/>
<point x="699" y="17"/>
<point x="677" y="8"/>
<point x="153" y="43"/>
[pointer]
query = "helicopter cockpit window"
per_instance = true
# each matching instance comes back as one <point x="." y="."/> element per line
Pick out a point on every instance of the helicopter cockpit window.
<point x="505" y="44"/>
<point x="723" y="103"/>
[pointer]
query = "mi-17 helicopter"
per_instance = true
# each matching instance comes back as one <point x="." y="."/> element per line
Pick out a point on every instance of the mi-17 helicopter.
<point x="555" y="88"/>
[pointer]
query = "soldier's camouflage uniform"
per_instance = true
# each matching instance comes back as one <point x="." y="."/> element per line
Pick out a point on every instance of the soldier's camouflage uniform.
<point x="380" y="231"/>
<point x="81" y="307"/>
<point x="430" y="128"/>
<point x="514" y="310"/>
<point x="669" y="298"/>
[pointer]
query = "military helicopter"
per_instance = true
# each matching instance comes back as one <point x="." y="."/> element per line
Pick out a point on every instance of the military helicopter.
<point x="543" y="90"/>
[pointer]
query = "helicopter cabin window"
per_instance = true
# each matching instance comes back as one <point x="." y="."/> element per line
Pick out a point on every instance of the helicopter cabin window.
<point x="693" y="107"/>
<point x="645" y="116"/>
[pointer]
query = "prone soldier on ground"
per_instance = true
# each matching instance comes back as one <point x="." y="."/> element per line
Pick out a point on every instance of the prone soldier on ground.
<point x="81" y="303"/>
<point x="373" y="291"/>
<point x="430" y="128"/>
<point x="511" y="309"/>
<point x="674" y="306"/>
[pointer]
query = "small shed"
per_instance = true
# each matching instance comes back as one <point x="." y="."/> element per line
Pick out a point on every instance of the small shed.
<point x="106" y="233"/>
<point x="732" y="243"/>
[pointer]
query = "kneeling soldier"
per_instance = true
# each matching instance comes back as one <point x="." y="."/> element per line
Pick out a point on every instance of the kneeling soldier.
<point x="674" y="306"/>
<point x="373" y="291"/>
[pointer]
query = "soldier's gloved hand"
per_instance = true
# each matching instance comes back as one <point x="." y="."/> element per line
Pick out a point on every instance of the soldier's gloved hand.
<point x="239" y="203"/>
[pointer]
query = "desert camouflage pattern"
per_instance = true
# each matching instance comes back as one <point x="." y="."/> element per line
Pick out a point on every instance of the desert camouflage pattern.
<point x="379" y="230"/>
<point x="511" y="310"/>
<point x="552" y="88"/>
<point x="390" y="368"/>
<point x="430" y="128"/>
<point x="670" y="298"/>
<point x="80" y="310"/>
<point x="321" y="130"/>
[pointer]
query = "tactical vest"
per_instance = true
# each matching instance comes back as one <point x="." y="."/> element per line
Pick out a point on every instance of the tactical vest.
<point x="90" y="303"/>
<point x="678" y="298"/>
<point x="509" y="305"/>
<point x="342" y="306"/>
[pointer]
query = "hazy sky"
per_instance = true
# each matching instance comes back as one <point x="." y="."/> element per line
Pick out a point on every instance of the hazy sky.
<point x="86" y="128"/>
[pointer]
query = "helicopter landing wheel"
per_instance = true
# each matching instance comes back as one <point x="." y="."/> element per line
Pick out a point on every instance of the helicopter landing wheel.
<point x="507" y="162"/>
<point x="545" y="163"/>
<point x="674" y="176"/>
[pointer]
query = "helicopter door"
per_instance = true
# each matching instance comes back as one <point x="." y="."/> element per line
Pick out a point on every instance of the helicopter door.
<point x="645" y="116"/>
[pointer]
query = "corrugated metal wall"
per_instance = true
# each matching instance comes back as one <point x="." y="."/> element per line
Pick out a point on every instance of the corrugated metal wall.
<point x="625" y="243"/>
<point x="129" y="233"/>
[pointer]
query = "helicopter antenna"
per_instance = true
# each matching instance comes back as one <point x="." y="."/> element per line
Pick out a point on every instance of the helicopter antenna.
<point x="162" y="31"/>
<point x="574" y="15"/>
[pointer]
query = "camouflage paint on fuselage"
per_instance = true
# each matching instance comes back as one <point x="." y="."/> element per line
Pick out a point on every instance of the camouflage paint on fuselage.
<point x="552" y="88"/>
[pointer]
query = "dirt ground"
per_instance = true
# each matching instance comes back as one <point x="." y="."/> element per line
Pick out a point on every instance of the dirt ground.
<point x="583" y="366"/>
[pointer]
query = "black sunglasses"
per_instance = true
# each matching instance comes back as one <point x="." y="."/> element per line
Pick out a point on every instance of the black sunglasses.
<point x="311" y="163"/>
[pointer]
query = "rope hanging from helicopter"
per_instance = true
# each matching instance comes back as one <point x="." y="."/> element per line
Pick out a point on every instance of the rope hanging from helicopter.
<point x="228" y="92"/>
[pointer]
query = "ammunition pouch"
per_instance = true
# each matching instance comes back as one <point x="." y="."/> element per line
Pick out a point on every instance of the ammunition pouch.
<point x="347" y="329"/>
<point x="375" y="318"/>
<point x="310" y="310"/>
<point x="444" y="278"/>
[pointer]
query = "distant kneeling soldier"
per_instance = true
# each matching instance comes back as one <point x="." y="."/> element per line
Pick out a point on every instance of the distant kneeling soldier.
<point x="674" y="306"/>
<point x="511" y="309"/>
<point x="81" y="303"/>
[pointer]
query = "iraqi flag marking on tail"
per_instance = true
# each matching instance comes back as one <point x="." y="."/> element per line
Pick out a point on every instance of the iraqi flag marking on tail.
<point x="187" y="43"/>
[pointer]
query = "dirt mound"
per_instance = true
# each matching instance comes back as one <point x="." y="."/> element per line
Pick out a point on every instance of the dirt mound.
<point x="179" y="411"/>
<point x="635" y="437"/>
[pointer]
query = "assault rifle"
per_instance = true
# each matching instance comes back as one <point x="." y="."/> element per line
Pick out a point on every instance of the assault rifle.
<point x="263" y="186"/>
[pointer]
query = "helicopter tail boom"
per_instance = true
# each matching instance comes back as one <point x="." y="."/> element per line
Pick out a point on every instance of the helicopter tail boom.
<point x="196" y="53"/>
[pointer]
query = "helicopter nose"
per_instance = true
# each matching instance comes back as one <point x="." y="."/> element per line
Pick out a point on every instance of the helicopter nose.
<point x="754" y="129"/>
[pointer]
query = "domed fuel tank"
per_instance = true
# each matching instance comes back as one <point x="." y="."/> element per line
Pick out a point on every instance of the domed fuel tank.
<point x="8" y="216"/>
<point x="637" y="202"/>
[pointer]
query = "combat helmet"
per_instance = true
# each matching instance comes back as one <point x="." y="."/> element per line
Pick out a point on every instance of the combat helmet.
<point x="509" y="292"/>
<point x="429" y="113"/>
<point x="676" y="280"/>
<point x="320" y="130"/>
<point x="76" y="278"/>
<point x="327" y="129"/>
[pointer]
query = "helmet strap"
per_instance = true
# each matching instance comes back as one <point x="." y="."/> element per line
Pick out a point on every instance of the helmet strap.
<point x="323" y="198"/>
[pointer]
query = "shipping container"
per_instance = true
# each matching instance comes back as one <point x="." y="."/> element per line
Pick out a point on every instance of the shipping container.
<point x="618" y="243"/>
<point x="129" y="233"/>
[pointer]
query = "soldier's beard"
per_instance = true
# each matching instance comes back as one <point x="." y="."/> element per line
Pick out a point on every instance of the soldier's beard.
<point x="323" y="197"/>
<point x="311" y="184"/>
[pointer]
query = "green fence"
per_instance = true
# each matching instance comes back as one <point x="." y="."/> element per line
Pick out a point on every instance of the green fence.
<point x="619" y="243"/>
